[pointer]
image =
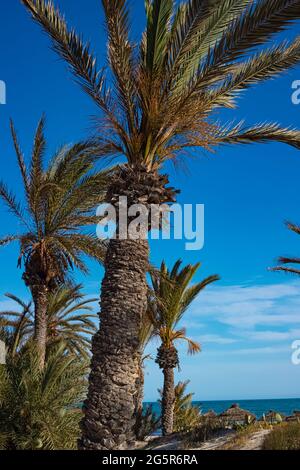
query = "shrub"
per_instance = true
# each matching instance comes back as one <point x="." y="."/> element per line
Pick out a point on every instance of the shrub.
<point x="208" y="428"/>
<point x="285" y="436"/>
<point x="38" y="409"/>
<point x="186" y="415"/>
<point x="147" y="422"/>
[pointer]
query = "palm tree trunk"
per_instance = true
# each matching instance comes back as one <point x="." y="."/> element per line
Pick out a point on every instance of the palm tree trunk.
<point x="168" y="401"/>
<point x="109" y="411"/>
<point x="40" y="299"/>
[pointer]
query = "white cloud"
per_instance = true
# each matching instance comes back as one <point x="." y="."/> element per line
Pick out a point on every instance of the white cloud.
<point x="217" y="339"/>
<point x="249" y="307"/>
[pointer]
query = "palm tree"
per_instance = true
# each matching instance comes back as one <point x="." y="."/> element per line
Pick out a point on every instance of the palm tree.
<point x="193" y="58"/>
<point x="39" y="408"/>
<point x="186" y="415"/>
<point x="69" y="320"/>
<point x="172" y="295"/>
<point x="59" y="201"/>
<point x="289" y="260"/>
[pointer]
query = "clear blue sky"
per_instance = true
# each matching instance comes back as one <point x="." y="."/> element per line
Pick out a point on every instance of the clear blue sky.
<point x="247" y="322"/>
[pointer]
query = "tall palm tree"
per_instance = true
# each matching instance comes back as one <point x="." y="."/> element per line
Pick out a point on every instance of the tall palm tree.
<point x="171" y="297"/>
<point x="59" y="201"/>
<point x="69" y="320"/>
<point x="193" y="58"/>
<point x="286" y="262"/>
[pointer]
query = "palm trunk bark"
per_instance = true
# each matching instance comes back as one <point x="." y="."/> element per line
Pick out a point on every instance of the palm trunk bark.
<point x="40" y="299"/>
<point x="109" y="411"/>
<point x="168" y="401"/>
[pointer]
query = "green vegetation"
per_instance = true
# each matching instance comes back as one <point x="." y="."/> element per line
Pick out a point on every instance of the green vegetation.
<point x="60" y="200"/>
<point x="285" y="436"/>
<point x="69" y="319"/>
<point x="157" y="101"/>
<point x="186" y="415"/>
<point x="172" y="292"/>
<point x="39" y="408"/>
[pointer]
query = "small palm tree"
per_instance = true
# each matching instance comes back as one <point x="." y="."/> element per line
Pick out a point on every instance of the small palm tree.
<point x="172" y="295"/>
<point x="69" y="319"/>
<point x="186" y="415"/>
<point x="194" y="57"/>
<point x="284" y="261"/>
<point x="39" y="408"/>
<point x="60" y="202"/>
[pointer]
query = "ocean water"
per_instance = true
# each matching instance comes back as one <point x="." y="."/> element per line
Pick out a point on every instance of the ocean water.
<point x="285" y="406"/>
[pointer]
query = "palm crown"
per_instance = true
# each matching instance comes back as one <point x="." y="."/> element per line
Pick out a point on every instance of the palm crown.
<point x="193" y="58"/>
<point x="171" y="296"/>
<point x="59" y="201"/>
<point x="69" y="320"/>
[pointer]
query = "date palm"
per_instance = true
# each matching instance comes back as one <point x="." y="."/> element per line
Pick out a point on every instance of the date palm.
<point x="286" y="262"/>
<point x="193" y="58"/>
<point x="69" y="320"/>
<point x="59" y="204"/>
<point x="172" y="295"/>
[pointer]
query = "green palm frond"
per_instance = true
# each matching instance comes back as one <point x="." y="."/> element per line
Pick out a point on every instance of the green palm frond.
<point x="69" y="317"/>
<point x="263" y="133"/>
<point x="8" y="239"/>
<point x="293" y="227"/>
<point x="61" y="199"/>
<point x="39" y="410"/>
<point x="259" y="22"/>
<point x="159" y="13"/>
<point x="71" y="47"/>
<point x="195" y="56"/>
<point x="261" y="66"/>
<point x="216" y="18"/>
<point x="170" y="296"/>
<point x="20" y="158"/>
<point x="284" y="260"/>
<point x="11" y="202"/>
<point x="121" y="55"/>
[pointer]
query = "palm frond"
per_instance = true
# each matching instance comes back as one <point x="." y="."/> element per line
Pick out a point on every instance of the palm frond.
<point x="72" y="48"/>
<point x="11" y="202"/>
<point x="20" y="158"/>
<point x="263" y="133"/>
<point x="159" y="15"/>
<point x="259" y="23"/>
<point x="293" y="227"/>
<point x="121" y="57"/>
<point x="8" y="239"/>
<point x="262" y="66"/>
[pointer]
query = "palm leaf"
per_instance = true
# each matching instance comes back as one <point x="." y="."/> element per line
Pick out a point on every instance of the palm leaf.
<point x="259" y="133"/>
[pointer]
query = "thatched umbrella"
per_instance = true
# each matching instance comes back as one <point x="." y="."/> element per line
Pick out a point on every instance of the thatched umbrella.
<point x="294" y="417"/>
<point x="273" y="417"/>
<point x="210" y="414"/>
<point x="236" y="415"/>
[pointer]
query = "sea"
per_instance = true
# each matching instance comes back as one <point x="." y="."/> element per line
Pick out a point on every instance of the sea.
<point x="285" y="406"/>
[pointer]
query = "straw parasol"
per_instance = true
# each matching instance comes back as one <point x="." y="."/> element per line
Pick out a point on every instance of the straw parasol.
<point x="236" y="415"/>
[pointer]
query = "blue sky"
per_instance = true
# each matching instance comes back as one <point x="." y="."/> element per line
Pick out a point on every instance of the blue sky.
<point x="247" y="322"/>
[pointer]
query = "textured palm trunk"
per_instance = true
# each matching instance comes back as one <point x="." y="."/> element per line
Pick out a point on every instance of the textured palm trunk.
<point x="168" y="401"/>
<point x="109" y="411"/>
<point x="40" y="299"/>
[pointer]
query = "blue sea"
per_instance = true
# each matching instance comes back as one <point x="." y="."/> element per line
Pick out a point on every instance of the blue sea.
<point x="284" y="406"/>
